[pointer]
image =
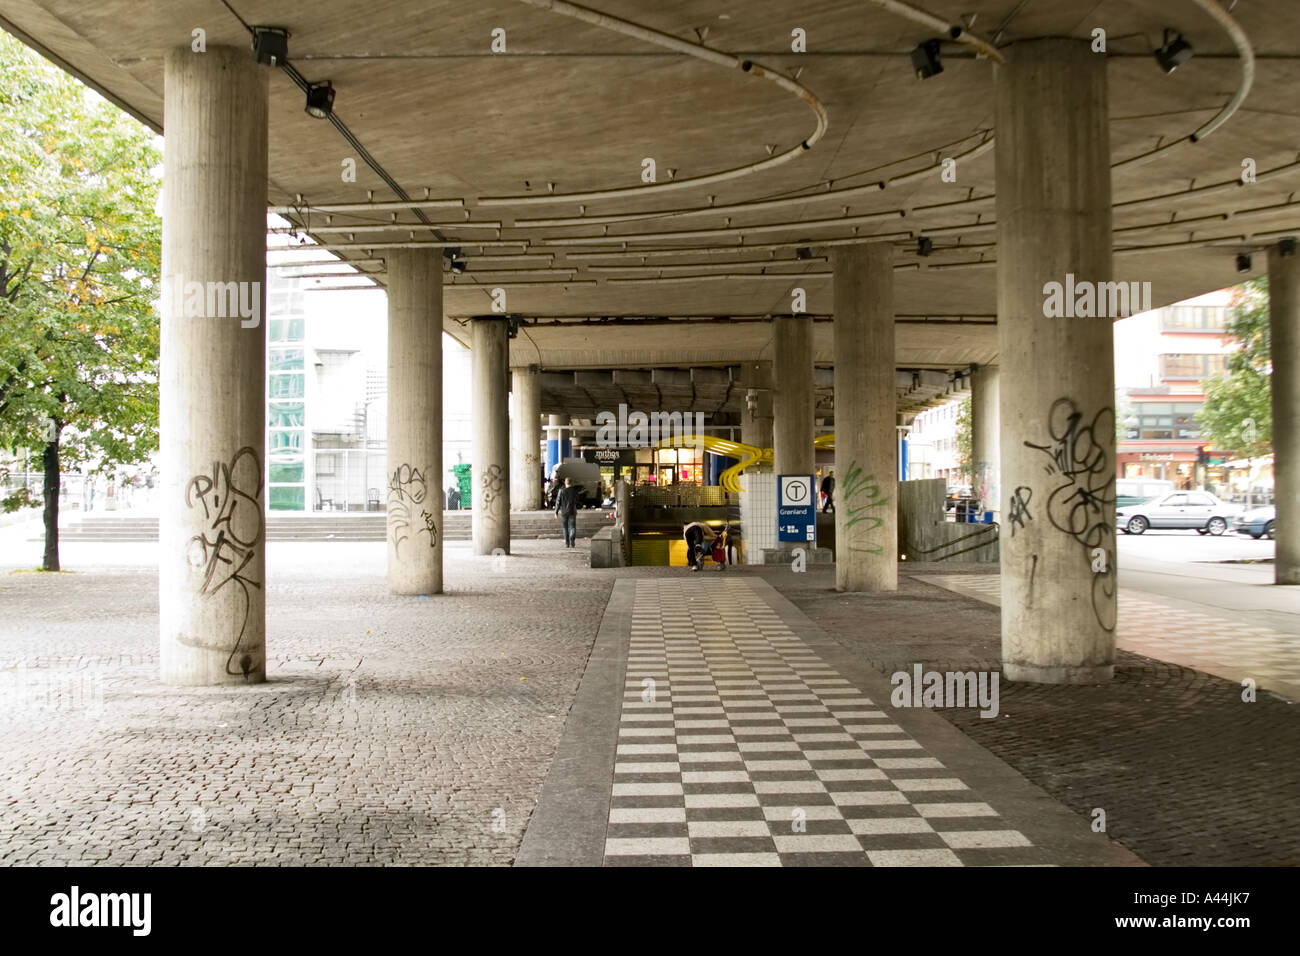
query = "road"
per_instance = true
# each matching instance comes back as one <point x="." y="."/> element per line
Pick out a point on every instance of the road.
<point x="1202" y="571"/>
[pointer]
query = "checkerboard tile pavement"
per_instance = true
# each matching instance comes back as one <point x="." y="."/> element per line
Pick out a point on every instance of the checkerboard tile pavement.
<point x="1217" y="645"/>
<point x="739" y="746"/>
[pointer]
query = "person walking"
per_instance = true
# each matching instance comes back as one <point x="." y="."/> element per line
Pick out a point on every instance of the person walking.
<point x="828" y="492"/>
<point x="694" y="533"/>
<point x="566" y="506"/>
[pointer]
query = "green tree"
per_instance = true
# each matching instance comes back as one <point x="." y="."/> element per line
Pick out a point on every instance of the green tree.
<point x="965" y="439"/>
<point x="1237" y="416"/>
<point x="79" y="272"/>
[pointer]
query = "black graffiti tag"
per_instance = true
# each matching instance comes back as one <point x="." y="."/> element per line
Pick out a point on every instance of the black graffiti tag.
<point x="493" y="483"/>
<point x="232" y="517"/>
<point x="407" y="489"/>
<point x="1082" y="504"/>
<point x="1019" y="513"/>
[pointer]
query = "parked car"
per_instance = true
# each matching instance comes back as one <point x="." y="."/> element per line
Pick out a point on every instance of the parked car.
<point x="1257" y="522"/>
<point x="1131" y="491"/>
<point x="1198" y="510"/>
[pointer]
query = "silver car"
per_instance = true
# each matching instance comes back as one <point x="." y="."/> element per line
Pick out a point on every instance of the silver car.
<point x="1197" y="510"/>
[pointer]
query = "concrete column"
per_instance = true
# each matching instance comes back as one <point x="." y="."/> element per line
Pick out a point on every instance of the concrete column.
<point x="866" y="439"/>
<point x="1057" y="404"/>
<point x="1284" y="327"/>
<point x="794" y="399"/>
<point x="491" y="518"/>
<point x="985" y="463"/>
<point x="526" y="439"/>
<point x="212" y="419"/>
<point x="756" y="422"/>
<point x="414" y="480"/>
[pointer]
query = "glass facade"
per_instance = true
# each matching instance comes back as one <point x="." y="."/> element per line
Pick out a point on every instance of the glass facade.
<point x="1164" y="421"/>
<point x="286" y="408"/>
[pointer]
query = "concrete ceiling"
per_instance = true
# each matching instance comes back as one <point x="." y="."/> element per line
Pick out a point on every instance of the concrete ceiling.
<point x="580" y="107"/>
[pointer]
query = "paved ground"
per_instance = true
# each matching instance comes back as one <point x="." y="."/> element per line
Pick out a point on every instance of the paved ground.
<point x="1186" y="772"/>
<point x="392" y="730"/>
<point x="395" y="730"/>
<point x="745" y="737"/>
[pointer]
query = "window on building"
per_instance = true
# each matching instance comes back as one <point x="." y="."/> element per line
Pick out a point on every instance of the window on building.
<point x="286" y="415"/>
<point x="288" y="330"/>
<point x="287" y="385"/>
<point x="1164" y="421"/>
<point x="285" y="439"/>
<point x="285" y="360"/>
<point x="286" y="472"/>
<point x="1182" y="367"/>
<point x="1193" y="318"/>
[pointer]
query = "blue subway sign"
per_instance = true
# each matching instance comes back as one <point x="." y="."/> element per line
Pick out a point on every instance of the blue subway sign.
<point x="796" y="508"/>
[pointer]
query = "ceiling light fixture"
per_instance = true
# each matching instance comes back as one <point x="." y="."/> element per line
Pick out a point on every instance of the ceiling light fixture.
<point x="1243" y="264"/>
<point x="1175" y="52"/>
<point x="925" y="60"/>
<point x="803" y="252"/>
<point x="924" y="246"/>
<point x="271" y="45"/>
<point x="320" y="99"/>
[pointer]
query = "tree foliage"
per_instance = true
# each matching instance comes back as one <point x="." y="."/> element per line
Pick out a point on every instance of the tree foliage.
<point x="1237" y="416"/>
<point x="965" y="435"/>
<point x="79" y="273"/>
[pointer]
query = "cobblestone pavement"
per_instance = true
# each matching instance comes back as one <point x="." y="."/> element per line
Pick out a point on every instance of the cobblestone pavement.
<point x="1226" y="647"/>
<point x="399" y="730"/>
<point x="1185" y="770"/>
<point x="391" y="730"/>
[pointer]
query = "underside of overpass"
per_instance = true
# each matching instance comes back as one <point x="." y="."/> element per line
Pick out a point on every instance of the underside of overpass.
<point x="641" y="206"/>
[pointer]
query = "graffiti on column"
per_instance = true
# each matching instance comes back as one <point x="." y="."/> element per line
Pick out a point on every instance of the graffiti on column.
<point x="1083" y="501"/>
<point x="407" y="490"/>
<point x="1018" y="511"/>
<point x="232" y="531"/>
<point x="859" y="497"/>
<point x="492" y="484"/>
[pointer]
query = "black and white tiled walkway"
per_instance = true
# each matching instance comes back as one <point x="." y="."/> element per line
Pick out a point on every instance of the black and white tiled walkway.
<point x="739" y="746"/>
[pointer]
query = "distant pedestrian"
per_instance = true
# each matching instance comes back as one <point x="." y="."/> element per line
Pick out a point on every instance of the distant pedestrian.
<point x="566" y="506"/>
<point x="453" y="498"/>
<point x="695" y="533"/>
<point x="828" y="492"/>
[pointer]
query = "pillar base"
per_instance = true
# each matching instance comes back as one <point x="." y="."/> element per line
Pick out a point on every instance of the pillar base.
<point x="1075" y="674"/>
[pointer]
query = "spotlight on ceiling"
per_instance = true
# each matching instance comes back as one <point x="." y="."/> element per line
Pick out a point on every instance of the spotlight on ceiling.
<point x="803" y="252"/>
<point x="924" y="246"/>
<point x="320" y="99"/>
<point x="1286" y="247"/>
<point x="925" y="60"/>
<point x="271" y="45"/>
<point x="457" y="266"/>
<point x="1175" y="52"/>
<point x="1243" y="264"/>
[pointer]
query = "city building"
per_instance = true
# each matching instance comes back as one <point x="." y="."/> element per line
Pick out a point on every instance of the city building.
<point x="1162" y="358"/>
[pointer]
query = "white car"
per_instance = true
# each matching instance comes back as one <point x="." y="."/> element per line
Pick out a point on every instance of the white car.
<point x="1198" y="510"/>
